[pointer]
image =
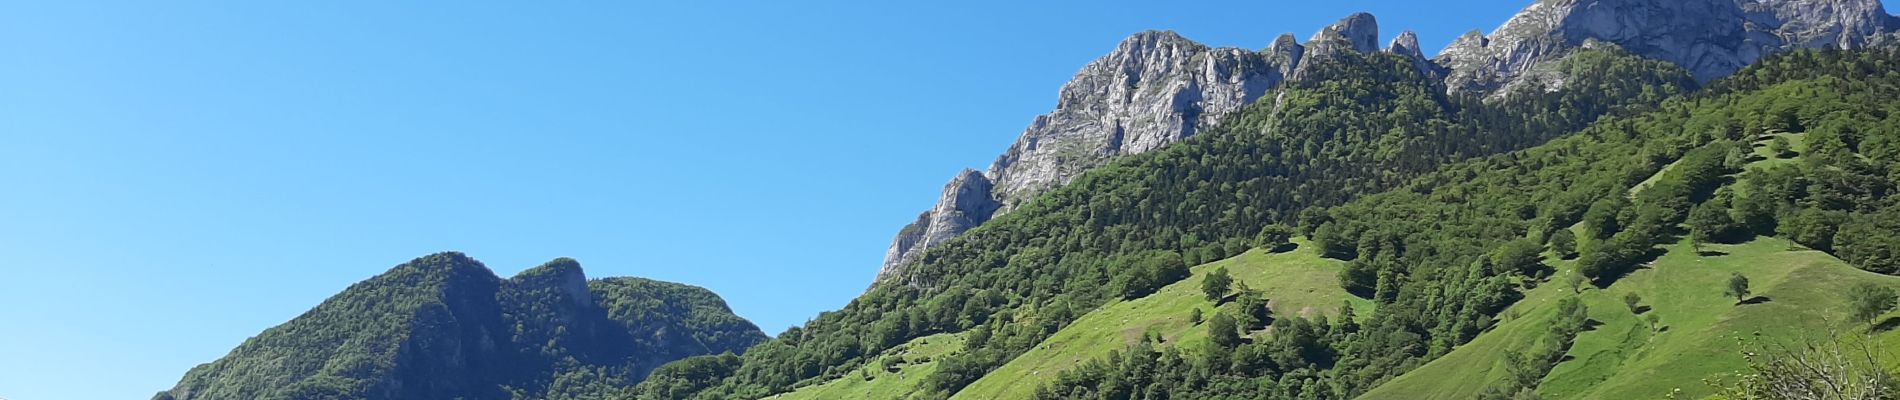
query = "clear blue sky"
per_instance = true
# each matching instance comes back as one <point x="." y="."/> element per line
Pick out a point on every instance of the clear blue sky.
<point x="178" y="177"/>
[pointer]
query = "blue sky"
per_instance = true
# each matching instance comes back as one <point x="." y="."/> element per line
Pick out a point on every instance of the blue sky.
<point x="178" y="177"/>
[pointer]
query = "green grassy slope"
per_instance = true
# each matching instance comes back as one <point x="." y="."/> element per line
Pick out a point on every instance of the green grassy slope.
<point x="1699" y="333"/>
<point x="1295" y="282"/>
<point x="919" y="359"/>
<point x="1623" y="357"/>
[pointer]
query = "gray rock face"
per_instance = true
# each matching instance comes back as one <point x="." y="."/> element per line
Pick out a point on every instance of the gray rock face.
<point x="1154" y="89"/>
<point x="1407" y="45"/>
<point x="1358" y="32"/>
<point x="1710" y="38"/>
<point x="965" y="203"/>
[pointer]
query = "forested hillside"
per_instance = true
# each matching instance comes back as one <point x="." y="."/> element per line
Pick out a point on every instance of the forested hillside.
<point x="1361" y="124"/>
<point x="444" y="326"/>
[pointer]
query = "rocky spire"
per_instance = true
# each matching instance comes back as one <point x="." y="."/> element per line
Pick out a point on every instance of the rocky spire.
<point x="1406" y="44"/>
<point x="966" y="202"/>
<point x="1358" y="32"/>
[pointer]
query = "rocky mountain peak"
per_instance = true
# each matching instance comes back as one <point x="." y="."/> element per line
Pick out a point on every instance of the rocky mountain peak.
<point x="1405" y="44"/>
<point x="1710" y="38"/>
<point x="1358" y="32"/>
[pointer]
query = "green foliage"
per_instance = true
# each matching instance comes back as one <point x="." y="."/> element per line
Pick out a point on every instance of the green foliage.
<point x="1634" y="302"/>
<point x="1737" y="286"/>
<point x="1522" y="256"/>
<point x="1867" y="301"/>
<point x="1273" y="236"/>
<point x="1216" y="284"/>
<point x="1564" y="244"/>
<point x="1251" y="310"/>
<point x="444" y="326"/>
<point x="1222" y="330"/>
<point x="1780" y="147"/>
<point x="1148" y="273"/>
<point x="1711" y="222"/>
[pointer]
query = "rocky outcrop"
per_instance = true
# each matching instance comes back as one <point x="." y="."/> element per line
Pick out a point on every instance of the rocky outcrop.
<point x="1154" y="89"/>
<point x="1710" y="38"/>
<point x="1407" y="45"/>
<point x="1358" y="32"/>
<point x="966" y="203"/>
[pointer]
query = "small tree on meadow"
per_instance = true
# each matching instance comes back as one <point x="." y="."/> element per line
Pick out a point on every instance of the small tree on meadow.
<point x="1869" y="300"/>
<point x="1215" y="285"/>
<point x="1564" y="243"/>
<point x="1273" y="236"/>
<point x="1633" y="301"/>
<point x="1780" y="146"/>
<point x="1737" y="286"/>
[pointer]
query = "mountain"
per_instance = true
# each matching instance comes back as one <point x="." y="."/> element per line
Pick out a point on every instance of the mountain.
<point x="443" y="326"/>
<point x="1710" y="38"/>
<point x="1571" y="207"/>
<point x="1154" y="89"/>
<point x="1158" y="87"/>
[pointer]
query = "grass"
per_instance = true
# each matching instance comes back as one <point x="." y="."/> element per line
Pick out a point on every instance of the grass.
<point x="1701" y="332"/>
<point x="919" y="357"/>
<point x="1295" y="282"/>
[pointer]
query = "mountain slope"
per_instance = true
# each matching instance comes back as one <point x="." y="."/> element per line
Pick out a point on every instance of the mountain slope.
<point x="1359" y="124"/>
<point x="1299" y="282"/>
<point x="1446" y="255"/>
<point x="1157" y="88"/>
<point x="444" y="326"/>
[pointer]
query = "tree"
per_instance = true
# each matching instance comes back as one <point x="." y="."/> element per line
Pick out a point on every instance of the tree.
<point x="1710" y="222"/>
<point x="1633" y="301"/>
<point x="1564" y="243"/>
<point x="1254" y="313"/>
<point x="1195" y="317"/>
<point x="1222" y="331"/>
<point x="1133" y="283"/>
<point x="1737" y="286"/>
<point x="1780" y="146"/>
<point x="1575" y="282"/>
<point x="1522" y="255"/>
<point x="1869" y="300"/>
<point x="1602" y="220"/>
<point x="1653" y="320"/>
<point x="1216" y="284"/>
<point x="1273" y="236"/>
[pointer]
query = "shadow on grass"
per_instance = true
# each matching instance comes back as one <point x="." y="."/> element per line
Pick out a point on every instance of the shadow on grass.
<point x="1284" y="248"/>
<point x="1887" y="325"/>
<point x="1756" y="300"/>
<point x="1711" y="253"/>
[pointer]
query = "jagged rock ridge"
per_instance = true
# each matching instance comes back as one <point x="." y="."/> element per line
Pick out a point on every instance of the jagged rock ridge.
<point x="1155" y="88"/>
<point x="1710" y="38"/>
